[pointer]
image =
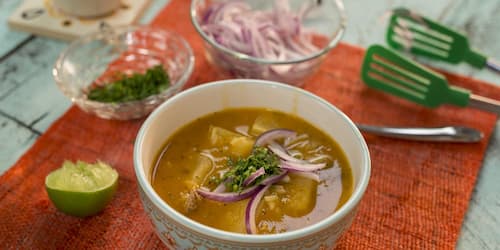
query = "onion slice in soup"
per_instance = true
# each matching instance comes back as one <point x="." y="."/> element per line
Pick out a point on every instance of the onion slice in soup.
<point x="252" y="209"/>
<point x="254" y="176"/>
<point x="220" y="188"/>
<point x="281" y="153"/>
<point x="299" y="166"/>
<point x="229" y="196"/>
<point x="254" y="202"/>
<point x="274" y="178"/>
<point x="274" y="134"/>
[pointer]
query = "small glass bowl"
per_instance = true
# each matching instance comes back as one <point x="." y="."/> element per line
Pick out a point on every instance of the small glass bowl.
<point x="327" y="19"/>
<point x="98" y="58"/>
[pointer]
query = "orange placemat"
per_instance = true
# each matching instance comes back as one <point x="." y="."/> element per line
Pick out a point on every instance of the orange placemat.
<point x="417" y="196"/>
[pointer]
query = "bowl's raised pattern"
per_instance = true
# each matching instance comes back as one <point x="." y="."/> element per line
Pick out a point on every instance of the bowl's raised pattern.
<point x="177" y="236"/>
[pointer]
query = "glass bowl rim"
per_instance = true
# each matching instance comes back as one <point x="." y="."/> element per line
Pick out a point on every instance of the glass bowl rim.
<point x="339" y="33"/>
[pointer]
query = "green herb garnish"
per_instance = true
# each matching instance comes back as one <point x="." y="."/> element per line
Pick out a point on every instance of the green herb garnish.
<point x="242" y="168"/>
<point x="132" y="88"/>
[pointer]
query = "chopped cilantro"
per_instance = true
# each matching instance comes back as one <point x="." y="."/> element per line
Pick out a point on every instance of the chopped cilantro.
<point x="242" y="168"/>
<point x="132" y="88"/>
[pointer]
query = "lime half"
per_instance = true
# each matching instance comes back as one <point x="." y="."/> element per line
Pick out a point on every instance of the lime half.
<point x="81" y="189"/>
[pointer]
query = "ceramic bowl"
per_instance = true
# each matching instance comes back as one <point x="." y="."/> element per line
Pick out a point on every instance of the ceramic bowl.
<point x="180" y="232"/>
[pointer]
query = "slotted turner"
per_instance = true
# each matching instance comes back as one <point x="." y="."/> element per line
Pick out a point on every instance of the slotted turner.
<point x="422" y="36"/>
<point x="387" y="70"/>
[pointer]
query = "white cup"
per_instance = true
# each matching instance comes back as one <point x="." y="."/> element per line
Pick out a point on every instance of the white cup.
<point x="87" y="8"/>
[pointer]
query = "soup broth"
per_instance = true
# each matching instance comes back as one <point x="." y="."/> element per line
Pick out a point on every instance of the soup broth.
<point x="201" y="153"/>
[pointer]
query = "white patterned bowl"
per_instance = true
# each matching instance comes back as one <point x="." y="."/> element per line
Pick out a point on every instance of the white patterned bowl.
<point x="180" y="232"/>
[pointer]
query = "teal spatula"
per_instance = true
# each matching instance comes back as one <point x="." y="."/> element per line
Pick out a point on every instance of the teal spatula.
<point x="422" y="36"/>
<point x="387" y="70"/>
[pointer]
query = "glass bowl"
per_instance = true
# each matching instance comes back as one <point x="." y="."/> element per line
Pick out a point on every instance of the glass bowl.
<point x="98" y="59"/>
<point x="321" y="21"/>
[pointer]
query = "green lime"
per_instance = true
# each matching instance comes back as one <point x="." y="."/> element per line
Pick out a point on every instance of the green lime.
<point x="81" y="189"/>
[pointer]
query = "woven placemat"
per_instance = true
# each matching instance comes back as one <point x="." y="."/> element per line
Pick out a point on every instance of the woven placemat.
<point x="416" y="199"/>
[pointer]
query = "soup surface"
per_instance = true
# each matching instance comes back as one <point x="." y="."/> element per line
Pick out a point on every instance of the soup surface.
<point x="200" y="159"/>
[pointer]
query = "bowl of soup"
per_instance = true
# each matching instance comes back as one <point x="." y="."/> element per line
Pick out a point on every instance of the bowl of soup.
<point x="245" y="163"/>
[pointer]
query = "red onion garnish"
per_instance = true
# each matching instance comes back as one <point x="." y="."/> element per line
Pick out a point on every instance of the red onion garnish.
<point x="254" y="176"/>
<point x="254" y="202"/>
<point x="318" y="158"/>
<point x="274" y="178"/>
<point x="281" y="153"/>
<point x="220" y="188"/>
<point x="251" y="210"/>
<point x="273" y="134"/>
<point x="229" y="196"/>
<point x="299" y="166"/>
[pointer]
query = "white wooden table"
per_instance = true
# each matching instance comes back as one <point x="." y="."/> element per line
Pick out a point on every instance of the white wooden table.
<point x="30" y="100"/>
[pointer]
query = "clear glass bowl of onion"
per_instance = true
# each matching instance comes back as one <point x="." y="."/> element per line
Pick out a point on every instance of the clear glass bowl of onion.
<point x="279" y="40"/>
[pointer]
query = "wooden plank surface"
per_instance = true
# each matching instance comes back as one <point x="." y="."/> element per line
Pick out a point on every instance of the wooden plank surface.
<point x="30" y="101"/>
<point x="27" y="90"/>
<point x="8" y="38"/>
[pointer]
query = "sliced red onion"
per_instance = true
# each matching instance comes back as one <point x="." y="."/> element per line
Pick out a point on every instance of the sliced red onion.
<point x="281" y="153"/>
<point x="319" y="158"/>
<point x="291" y="140"/>
<point x="317" y="150"/>
<point x="251" y="210"/>
<point x="273" y="134"/>
<point x="298" y="144"/>
<point x="223" y="11"/>
<point x="208" y="153"/>
<point x="209" y="156"/>
<point x="253" y="176"/>
<point x="296" y="154"/>
<point x="221" y="188"/>
<point x="275" y="34"/>
<point x="254" y="201"/>
<point x="274" y="178"/>
<point x="305" y="167"/>
<point x="229" y="196"/>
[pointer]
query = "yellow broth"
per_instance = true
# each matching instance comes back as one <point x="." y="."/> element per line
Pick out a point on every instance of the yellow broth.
<point x="196" y="152"/>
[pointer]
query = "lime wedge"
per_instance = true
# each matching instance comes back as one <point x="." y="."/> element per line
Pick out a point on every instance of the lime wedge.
<point x="81" y="189"/>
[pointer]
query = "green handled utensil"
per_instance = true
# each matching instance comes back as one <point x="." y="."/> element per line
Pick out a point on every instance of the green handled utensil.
<point x="422" y="36"/>
<point x="387" y="70"/>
